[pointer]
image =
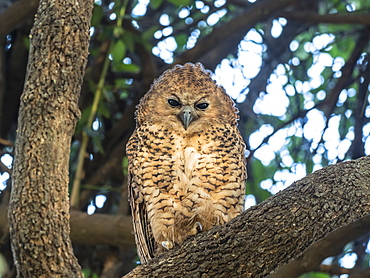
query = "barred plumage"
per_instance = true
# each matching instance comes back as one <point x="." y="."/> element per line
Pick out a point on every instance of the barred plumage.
<point x="187" y="168"/>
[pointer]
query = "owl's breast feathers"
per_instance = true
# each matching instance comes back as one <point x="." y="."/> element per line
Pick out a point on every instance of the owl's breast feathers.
<point x="180" y="179"/>
<point x="207" y="157"/>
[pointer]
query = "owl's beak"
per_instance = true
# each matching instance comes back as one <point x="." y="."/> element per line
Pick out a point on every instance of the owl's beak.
<point x="187" y="115"/>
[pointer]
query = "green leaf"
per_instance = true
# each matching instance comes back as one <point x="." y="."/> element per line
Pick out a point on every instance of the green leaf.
<point x="88" y="273"/>
<point x="259" y="173"/>
<point x="103" y="109"/>
<point x="119" y="51"/>
<point x="26" y="42"/>
<point x="125" y="166"/>
<point x="258" y="170"/>
<point x="121" y="83"/>
<point x="179" y="3"/>
<point x="124" y="94"/>
<point x="155" y="4"/>
<point x="129" y="40"/>
<point x="97" y="15"/>
<point x="83" y="120"/>
<point x="97" y="142"/>
<point x="96" y="138"/>
<point x="108" y="94"/>
<point x="118" y="31"/>
<point x="148" y="34"/>
<point x="345" y="46"/>
<point x="301" y="54"/>
<point x="315" y="275"/>
<point x="309" y="166"/>
<point x="181" y="40"/>
<point x="120" y="67"/>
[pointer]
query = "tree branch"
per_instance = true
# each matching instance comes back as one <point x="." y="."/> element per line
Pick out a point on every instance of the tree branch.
<point x="329" y="103"/>
<point x="15" y="14"/>
<point x="275" y="232"/>
<point x="331" y="245"/>
<point x="99" y="229"/>
<point x="307" y="218"/>
<point x="229" y="35"/>
<point x="310" y="17"/>
<point x="95" y="229"/>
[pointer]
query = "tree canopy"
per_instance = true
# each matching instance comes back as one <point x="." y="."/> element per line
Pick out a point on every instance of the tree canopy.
<point x="298" y="70"/>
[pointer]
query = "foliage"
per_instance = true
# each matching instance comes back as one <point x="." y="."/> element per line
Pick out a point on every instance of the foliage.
<point x="300" y="78"/>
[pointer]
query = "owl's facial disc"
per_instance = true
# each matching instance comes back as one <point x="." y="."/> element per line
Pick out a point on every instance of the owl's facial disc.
<point x="187" y="115"/>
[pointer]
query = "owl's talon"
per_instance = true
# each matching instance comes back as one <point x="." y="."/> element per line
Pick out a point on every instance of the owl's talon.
<point x="167" y="244"/>
<point x="200" y="227"/>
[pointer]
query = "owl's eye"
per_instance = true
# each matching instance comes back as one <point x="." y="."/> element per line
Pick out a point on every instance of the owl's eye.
<point x="202" y="105"/>
<point x="173" y="102"/>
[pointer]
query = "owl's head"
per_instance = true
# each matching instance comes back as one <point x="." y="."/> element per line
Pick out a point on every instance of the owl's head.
<point x="186" y="97"/>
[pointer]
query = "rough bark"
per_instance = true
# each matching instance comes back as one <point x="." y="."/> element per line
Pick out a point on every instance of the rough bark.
<point x="39" y="206"/>
<point x="275" y="232"/>
<point x="332" y="245"/>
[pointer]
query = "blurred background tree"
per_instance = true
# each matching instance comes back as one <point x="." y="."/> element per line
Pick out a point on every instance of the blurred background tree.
<point x="298" y="70"/>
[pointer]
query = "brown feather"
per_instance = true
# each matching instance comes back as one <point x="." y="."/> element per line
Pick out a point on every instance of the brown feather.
<point x="184" y="179"/>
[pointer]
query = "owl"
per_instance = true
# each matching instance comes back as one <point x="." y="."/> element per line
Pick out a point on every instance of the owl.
<point x="187" y="168"/>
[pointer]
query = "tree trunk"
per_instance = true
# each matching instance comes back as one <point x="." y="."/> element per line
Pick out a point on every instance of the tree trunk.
<point x="277" y="231"/>
<point x="39" y="206"/>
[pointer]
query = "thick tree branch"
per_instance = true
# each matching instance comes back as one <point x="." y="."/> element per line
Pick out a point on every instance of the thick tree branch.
<point x="99" y="229"/>
<point x="275" y="232"/>
<point x="96" y="229"/>
<point x="314" y="18"/>
<point x="361" y="273"/>
<point x="15" y="14"/>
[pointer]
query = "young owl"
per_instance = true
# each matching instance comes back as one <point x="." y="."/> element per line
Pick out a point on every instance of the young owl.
<point x="187" y="169"/>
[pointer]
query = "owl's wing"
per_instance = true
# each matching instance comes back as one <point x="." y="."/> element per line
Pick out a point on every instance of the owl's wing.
<point x="143" y="233"/>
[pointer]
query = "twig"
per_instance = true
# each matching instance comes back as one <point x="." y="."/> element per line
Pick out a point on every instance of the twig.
<point x="6" y="142"/>
<point x="75" y="195"/>
<point x="3" y="168"/>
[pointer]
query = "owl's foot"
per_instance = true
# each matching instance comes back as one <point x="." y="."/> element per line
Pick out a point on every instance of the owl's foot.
<point x="167" y="244"/>
<point x="198" y="227"/>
